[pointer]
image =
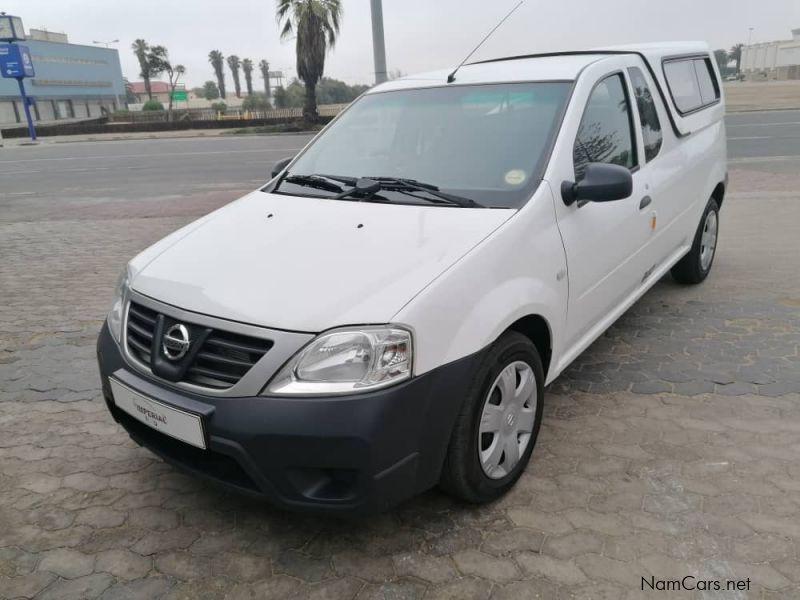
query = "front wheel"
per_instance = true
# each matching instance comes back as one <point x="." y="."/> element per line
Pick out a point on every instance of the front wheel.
<point x="696" y="265"/>
<point x="497" y="427"/>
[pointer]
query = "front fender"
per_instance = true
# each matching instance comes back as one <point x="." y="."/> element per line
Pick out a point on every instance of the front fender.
<point x="519" y="270"/>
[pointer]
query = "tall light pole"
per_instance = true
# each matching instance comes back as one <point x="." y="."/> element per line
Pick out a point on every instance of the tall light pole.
<point x="378" y="45"/>
<point x="749" y="35"/>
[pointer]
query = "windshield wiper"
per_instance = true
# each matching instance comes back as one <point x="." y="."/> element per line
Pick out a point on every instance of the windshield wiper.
<point x="366" y="189"/>
<point x="340" y="178"/>
<point x="326" y="183"/>
<point x="400" y="184"/>
<point x="363" y="190"/>
<point x="320" y="182"/>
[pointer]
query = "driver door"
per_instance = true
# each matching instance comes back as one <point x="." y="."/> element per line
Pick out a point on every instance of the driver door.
<point x="603" y="241"/>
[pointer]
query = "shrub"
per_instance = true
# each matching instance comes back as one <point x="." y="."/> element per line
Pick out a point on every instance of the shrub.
<point x="219" y="106"/>
<point x="153" y="105"/>
<point x="256" y="103"/>
<point x="281" y="98"/>
<point x="210" y="91"/>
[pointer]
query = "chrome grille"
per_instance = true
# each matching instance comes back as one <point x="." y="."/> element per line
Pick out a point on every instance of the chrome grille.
<point x="222" y="360"/>
<point x="141" y="329"/>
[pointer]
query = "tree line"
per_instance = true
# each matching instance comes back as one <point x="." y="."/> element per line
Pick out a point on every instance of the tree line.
<point x="729" y="61"/>
<point x="213" y="90"/>
<point x="328" y="91"/>
<point x="155" y="61"/>
<point x="314" y="24"/>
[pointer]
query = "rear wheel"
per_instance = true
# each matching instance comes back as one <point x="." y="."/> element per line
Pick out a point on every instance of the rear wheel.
<point x="696" y="265"/>
<point x="496" y="431"/>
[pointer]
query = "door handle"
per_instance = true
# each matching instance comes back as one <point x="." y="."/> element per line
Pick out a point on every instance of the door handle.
<point x="645" y="202"/>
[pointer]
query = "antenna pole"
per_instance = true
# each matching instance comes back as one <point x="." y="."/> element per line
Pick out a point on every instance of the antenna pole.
<point x="452" y="77"/>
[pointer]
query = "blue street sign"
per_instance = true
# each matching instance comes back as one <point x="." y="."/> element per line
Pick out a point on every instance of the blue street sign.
<point x="27" y="62"/>
<point x="15" y="61"/>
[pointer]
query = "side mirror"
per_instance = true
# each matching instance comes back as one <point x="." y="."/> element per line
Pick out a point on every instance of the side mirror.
<point x="281" y="165"/>
<point x="602" y="182"/>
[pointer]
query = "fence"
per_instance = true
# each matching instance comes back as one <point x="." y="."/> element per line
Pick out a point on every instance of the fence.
<point x="290" y="125"/>
<point x="278" y="115"/>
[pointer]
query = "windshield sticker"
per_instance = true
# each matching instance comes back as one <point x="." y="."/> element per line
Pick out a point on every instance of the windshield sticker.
<point x="516" y="177"/>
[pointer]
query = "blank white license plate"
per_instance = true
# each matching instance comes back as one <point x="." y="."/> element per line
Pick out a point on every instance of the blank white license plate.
<point x="173" y="422"/>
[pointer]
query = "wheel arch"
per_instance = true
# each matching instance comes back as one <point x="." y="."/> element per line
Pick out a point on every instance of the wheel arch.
<point x="536" y="328"/>
<point x="719" y="193"/>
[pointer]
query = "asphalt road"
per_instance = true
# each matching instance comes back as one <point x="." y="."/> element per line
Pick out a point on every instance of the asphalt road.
<point x="113" y="165"/>
<point x="58" y="177"/>
<point x="764" y="135"/>
<point x="113" y="171"/>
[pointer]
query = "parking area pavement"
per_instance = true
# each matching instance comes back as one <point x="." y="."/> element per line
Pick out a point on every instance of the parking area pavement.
<point x="671" y="448"/>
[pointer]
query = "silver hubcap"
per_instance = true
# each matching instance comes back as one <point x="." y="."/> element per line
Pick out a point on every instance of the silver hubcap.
<point x="507" y="420"/>
<point x="708" y="240"/>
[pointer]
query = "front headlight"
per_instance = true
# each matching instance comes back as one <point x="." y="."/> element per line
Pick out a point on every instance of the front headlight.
<point x="118" y="307"/>
<point x="346" y="361"/>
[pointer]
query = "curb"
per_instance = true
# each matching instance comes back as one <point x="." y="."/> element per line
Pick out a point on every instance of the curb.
<point x="729" y="111"/>
<point x="47" y="141"/>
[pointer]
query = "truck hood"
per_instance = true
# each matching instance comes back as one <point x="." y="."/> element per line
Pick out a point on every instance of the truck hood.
<point x="307" y="264"/>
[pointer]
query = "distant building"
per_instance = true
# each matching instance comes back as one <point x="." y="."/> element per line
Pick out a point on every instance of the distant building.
<point x="773" y="60"/>
<point x="47" y="36"/>
<point x="159" y="89"/>
<point x="72" y="81"/>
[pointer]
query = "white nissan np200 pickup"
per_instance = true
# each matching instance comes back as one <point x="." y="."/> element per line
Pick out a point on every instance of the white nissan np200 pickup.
<point x="385" y="314"/>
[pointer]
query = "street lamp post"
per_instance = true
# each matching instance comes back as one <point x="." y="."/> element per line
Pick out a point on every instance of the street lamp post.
<point x="378" y="43"/>
<point x="106" y="44"/>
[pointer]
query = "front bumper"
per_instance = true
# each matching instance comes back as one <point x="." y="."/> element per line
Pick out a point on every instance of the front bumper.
<point x="358" y="453"/>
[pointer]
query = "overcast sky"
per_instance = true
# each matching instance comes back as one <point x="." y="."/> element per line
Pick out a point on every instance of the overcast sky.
<point x="420" y="34"/>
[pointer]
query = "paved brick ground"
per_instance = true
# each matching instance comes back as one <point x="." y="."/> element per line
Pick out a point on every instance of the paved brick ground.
<point x="670" y="448"/>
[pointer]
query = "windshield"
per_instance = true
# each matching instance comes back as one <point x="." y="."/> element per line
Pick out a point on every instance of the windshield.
<point x="486" y="143"/>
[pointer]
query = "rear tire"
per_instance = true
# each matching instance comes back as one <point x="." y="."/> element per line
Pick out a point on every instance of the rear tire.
<point x="696" y="265"/>
<point x="496" y="430"/>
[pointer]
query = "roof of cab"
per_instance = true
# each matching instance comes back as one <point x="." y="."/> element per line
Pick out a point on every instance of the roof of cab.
<point x="566" y="66"/>
<point x="534" y="68"/>
<point x="659" y="49"/>
<point x="556" y="66"/>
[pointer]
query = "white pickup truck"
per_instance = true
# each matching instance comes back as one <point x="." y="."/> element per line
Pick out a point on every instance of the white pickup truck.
<point x="384" y="315"/>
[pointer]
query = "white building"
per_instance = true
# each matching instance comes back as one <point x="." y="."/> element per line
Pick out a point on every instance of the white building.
<point x="773" y="60"/>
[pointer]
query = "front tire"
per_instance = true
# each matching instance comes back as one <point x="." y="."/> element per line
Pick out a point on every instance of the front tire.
<point x="696" y="265"/>
<point x="496" y="430"/>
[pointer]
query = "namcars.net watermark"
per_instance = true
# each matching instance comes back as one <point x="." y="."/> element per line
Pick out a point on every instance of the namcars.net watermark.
<point x="691" y="583"/>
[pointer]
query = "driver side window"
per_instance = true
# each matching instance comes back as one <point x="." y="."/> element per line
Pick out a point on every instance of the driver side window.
<point x="606" y="134"/>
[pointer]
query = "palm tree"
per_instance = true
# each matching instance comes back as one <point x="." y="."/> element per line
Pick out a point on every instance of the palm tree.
<point x="141" y="49"/>
<point x="157" y="63"/>
<point x="233" y="65"/>
<point x="263" y="66"/>
<point x="735" y="53"/>
<point x="722" y="58"/>
<point x="174" y="74"/>
<point x="247" y="68"/>
<point x="218" y="63"/>
<point x="316" y="25"/>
